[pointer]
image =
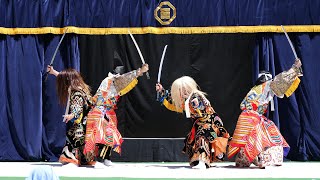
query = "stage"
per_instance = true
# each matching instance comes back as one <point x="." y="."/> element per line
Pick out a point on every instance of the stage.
<point x="168" y="170"/>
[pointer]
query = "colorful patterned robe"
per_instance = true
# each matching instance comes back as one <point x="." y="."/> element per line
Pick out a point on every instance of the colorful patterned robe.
<point x="255" y="136"/>
<point x="73" y="150"/>
<point x="208" y="139"/>
<point x="102" y="120"/>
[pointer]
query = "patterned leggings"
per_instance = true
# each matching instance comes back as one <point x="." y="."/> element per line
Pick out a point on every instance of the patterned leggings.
<point x="104" y="152"/>
<point x="273" y="156"/>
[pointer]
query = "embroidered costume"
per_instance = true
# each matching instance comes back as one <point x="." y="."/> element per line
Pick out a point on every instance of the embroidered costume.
<point x="102" y="133"/>
<point x="73" y="149"/>
<point x="256" y="139"/>
<point x="208" y="139"/>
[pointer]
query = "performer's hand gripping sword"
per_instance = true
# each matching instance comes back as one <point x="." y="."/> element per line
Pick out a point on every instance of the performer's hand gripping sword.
<point x="291" y="45"/>
<point x="160" y="68"/>
<point x="138" y="49"/>
<point x="55" y="52"/>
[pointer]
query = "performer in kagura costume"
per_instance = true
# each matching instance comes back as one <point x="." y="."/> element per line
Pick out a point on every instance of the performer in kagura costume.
<point x="73" y="92"/>
<point x="102" y="134"/>
<point x="208" y="139"/>
<point x="256" y="139"/>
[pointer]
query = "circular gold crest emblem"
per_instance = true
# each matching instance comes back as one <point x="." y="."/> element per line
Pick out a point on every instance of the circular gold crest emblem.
<point x="166" y="11"/>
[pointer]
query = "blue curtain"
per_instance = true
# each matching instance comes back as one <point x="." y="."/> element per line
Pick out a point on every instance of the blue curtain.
<point x="297" y="116"/>
<point x="140" y="13"/>
<point x="31" y="125"/>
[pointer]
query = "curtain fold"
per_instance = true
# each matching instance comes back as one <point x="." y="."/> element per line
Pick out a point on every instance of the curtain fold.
<point x="31" y="120"/>
<point x="297" y="116"/>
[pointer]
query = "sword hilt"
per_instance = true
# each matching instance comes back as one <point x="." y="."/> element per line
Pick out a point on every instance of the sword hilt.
<point x="158" y="95"/>
<point x="301" y="72"/>
<point x="147" y="74"/>
<point x="46" y="74"/>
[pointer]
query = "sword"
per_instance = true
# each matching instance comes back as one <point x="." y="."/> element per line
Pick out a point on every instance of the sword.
<point x="160" y="67"/>
<point x="291" y="45"/>
<point x="55" y="52"/>
<point x="140" y="54"/>
<point x="68" y="105"/>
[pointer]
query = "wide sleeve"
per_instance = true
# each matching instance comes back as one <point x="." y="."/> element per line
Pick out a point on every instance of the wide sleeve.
<point x="76" y="106"/>
<point x="125" y="82"/>
<point x="251" y="101"/>
<point x="286" y="82"/>
<point x="166" y="100"/>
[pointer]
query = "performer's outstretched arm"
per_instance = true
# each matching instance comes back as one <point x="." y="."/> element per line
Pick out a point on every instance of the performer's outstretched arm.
<point x="287" y="82"/>
<point x="165" y="98"/>
<point x="126" y="82"/>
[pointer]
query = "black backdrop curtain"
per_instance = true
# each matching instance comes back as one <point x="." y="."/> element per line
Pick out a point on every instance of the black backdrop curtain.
<point x="221" y="64"/>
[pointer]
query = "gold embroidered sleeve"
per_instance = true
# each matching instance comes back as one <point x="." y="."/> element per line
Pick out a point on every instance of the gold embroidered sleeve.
<point x="166" y="100"/>
<point x="125" y="82"/>
<point x="285" y="83"/>
<point x="171" y="106"/>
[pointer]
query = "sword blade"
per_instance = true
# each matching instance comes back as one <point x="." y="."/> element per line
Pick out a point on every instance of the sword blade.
<point x="55" y="52"/>
<point x="291" y="45"/>
<point x="161" y="62"/>
<point x="137" y="47"/>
